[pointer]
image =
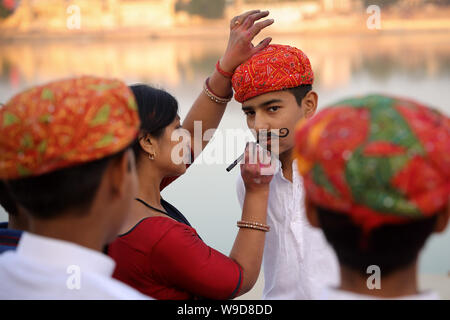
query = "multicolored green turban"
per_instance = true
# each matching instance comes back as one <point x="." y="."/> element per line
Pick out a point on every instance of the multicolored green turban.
<point x="65" y="123"/>
<point x="380" y="160"/>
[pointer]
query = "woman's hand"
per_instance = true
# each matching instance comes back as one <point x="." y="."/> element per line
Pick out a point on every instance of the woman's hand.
<point x="248" y="248"/>
<point x="243" y="30"/>
<point x="257" y="170"/>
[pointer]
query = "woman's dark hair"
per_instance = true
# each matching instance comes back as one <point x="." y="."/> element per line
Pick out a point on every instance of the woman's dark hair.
<point x="6" y="200"/>
<point x="391" y="247"/>
<point x="300" y="92"/>
<point x="157" y="109"/>
<point x="48" y="195"/>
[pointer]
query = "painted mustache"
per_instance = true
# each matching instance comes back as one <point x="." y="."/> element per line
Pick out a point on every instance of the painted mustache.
<point x="283" y="133"/>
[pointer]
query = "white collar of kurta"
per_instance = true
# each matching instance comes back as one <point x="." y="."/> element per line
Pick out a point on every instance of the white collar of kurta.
<point x="63" y="254"/>
<point x="279" y="171"/>
<point x="336" y="294"/>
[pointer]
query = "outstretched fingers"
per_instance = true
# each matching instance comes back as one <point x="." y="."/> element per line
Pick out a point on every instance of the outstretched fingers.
<point x="250" y="19"/>
<point x="264" y="43"/>
<point x="239" y="20"/>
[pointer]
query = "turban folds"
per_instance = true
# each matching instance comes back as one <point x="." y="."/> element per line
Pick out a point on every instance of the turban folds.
<point x="276" y="67"/>
<point x="380" y="160"/>
<point x="65" y="123"/>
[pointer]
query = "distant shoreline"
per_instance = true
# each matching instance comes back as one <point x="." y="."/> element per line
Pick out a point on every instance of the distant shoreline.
<point x="332" y="26"/>
<point x="175" y="34"/>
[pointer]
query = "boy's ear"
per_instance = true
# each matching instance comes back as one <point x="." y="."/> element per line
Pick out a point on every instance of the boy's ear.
<point x="442" y="219"/>
<point x="309" y="104"/>
<point x="311" y="213"/>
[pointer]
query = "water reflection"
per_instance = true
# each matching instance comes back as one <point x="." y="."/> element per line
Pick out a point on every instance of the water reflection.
<point x="180" y="63"/>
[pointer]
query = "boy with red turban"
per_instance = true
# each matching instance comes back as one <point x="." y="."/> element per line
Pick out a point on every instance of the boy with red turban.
<point x="275" y="89"/>
<point x="376" y="171"/>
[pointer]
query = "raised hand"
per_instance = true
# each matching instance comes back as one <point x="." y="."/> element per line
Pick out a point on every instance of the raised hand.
<point x="243" y="29"/>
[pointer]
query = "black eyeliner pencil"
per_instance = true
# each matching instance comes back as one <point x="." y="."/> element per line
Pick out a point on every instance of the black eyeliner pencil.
<point x="235" y="163"/>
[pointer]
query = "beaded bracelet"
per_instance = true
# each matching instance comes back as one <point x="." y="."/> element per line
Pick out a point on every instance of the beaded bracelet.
<point x="213" y="96"/>
<point x="228" y="75"/>
<point x="253" y="225"/>
<point x="250" y="226"/>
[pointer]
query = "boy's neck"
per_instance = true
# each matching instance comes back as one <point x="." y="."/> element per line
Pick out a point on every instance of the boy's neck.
<point x="286" y="164"/>
<point x="79" y="230"/>
<point x="400" y="283"/>
<point x="18" y="222"/>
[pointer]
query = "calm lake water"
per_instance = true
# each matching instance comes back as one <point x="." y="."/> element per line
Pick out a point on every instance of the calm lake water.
<point x="411" y="65"/>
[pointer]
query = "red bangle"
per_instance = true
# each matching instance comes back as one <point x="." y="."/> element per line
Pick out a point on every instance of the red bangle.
<point x="223" y="72"/>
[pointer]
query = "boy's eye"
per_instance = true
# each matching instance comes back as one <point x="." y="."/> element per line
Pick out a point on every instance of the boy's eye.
<point x="273" y="108"/>
<point x="249" y="113"/>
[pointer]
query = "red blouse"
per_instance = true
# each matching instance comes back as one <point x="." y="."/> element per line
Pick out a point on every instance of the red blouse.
<point x="166" y="259"/>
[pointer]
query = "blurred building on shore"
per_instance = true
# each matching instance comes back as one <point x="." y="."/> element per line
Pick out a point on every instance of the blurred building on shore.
<point x="87" y="16"/>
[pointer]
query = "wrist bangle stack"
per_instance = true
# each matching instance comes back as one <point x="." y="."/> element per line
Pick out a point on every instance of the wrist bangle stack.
<point x="213" y="96"/>
<point x="253" y="225"/>
<point x="228" y="75"/>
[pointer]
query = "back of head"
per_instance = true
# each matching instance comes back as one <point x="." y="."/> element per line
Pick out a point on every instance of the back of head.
<point x="6" y="200"/>
<point x="377" y="171"/>
<point x="56" y="140"/>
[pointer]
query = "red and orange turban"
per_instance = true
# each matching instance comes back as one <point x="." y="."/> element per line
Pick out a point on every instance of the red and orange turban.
<point x="378" y="159"/>
<point x="276" y="67"/>
<point x="65" y="123"/>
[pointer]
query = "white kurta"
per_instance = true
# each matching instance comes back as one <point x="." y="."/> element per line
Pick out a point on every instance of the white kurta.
<point x="47" y="268"/>
<point x="298" y="262"/>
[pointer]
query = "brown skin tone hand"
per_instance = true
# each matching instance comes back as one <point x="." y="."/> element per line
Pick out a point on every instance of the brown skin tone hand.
<point x="248" y="247"/>
<point x="239" y="49"/>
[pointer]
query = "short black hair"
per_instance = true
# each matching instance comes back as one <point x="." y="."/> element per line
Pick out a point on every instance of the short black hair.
<point x="157" y="109"/>
<point x="390" y="247"/>
<point x="300" y="92"/>
<point x="48" y="195"/>
<point x="6" y="200"/>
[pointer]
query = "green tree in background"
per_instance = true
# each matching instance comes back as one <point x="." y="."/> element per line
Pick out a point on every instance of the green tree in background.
<point x="440" y="2"/>
<point x="380" y="3"/>
<point x="387" y="3"/>
<point x="272" y="1"/>
<point x="205" y="8"/>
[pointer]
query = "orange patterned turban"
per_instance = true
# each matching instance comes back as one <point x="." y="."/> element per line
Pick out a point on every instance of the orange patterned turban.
<point x="276" y="67"/>
<point x="378" y="159"/>
<point x="65" y="123"/>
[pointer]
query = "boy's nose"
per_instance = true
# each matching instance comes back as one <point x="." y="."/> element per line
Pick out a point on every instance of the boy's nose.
<point x="261" y="123"/>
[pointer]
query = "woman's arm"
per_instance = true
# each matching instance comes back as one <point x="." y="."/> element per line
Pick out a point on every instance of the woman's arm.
<point x="239" y="49"/>
<point x="248" y="247"/>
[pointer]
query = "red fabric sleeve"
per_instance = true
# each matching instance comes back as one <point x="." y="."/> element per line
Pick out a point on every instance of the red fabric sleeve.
<point x="183" y="260"/>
